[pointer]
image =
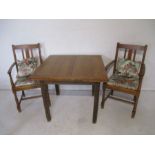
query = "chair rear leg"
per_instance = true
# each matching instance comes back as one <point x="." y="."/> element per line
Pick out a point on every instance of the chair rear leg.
<point x="103" y="97"/>
<point x="17" y="102"/>
<point x="135" y="106"/>
<point x="112" y="92"/>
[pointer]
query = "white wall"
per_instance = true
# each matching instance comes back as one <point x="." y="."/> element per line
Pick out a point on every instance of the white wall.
<point x="77" y="37"/>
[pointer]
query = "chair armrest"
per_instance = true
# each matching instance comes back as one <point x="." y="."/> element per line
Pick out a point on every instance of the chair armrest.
<point x="11" y="67"/>
<point x="109" y="65"/>
<point x="142" y="71"/>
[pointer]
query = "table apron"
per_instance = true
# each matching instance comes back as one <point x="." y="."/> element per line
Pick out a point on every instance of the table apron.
<point x="71" y="83"/>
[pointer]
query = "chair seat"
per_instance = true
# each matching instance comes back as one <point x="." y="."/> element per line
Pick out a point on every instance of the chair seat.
<point x="125" y="82"/>
<point x="26" y="83"/>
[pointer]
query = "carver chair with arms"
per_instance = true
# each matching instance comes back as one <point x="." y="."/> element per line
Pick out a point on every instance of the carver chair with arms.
<point x="26" y="59"/>
<point x="127" y="76"/>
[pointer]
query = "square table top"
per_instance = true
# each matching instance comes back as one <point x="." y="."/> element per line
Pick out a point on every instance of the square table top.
<point x="71" y="68"/>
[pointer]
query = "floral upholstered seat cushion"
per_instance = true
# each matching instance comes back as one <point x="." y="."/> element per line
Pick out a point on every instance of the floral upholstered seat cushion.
<point x="125" y="82"/>
<point x="128" y="68"/>
<point x="26" y="67"/>
<point x="25" y="82"/>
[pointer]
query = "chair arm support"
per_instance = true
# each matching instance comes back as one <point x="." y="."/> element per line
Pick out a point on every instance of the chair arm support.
<point x="141" y="74"/>
<point x="11" y="67"/>
<point x="142" y="71"/>
<point x="9" y="72"/>
<point x="109" y="65"/>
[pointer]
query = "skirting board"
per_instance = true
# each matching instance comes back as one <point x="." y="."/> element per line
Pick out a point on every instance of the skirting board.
<point x="75" y="87"/>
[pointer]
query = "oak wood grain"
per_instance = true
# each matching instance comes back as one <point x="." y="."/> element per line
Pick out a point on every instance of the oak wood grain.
<point x="71" y="68"/>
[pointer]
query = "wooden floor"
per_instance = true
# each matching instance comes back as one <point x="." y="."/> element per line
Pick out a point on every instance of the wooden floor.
<point x="72" y="114"/>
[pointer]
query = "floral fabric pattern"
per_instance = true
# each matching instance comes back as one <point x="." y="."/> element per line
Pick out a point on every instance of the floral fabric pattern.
<point x="26" y="67"/>
<point x="25" y="82"/>
<point x="128" y="68"/>
<point x="126" y="82"/>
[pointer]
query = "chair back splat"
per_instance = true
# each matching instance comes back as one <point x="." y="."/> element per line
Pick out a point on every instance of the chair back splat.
<point x="130" y="52"/>
<point x="26" y="51"/>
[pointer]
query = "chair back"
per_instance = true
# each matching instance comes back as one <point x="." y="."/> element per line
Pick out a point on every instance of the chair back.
<point x="130" y="52"/>
<point x="26" y="51"/>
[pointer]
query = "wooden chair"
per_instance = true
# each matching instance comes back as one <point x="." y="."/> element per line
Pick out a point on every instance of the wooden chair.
<point x="128" y="52"/>
<point x="23" y="52"/>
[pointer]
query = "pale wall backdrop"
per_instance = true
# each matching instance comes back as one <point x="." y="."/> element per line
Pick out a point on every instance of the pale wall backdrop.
<point x="77" y="37"/>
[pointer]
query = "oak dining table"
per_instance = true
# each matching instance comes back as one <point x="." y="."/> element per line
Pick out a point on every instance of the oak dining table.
<point x="71" y="69"/>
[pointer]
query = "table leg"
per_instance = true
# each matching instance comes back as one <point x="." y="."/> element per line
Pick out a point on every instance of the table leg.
<point x="47" y="96"/>
<point x="92" y="90"/>
<point x="57" y="88"/>
<point x="96" y="100"/>
<point x="46" y="100"/>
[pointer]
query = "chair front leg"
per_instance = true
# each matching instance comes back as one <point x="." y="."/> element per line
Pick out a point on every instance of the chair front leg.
<point x="135" y="106"/>
<point x="17" y="102"/>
